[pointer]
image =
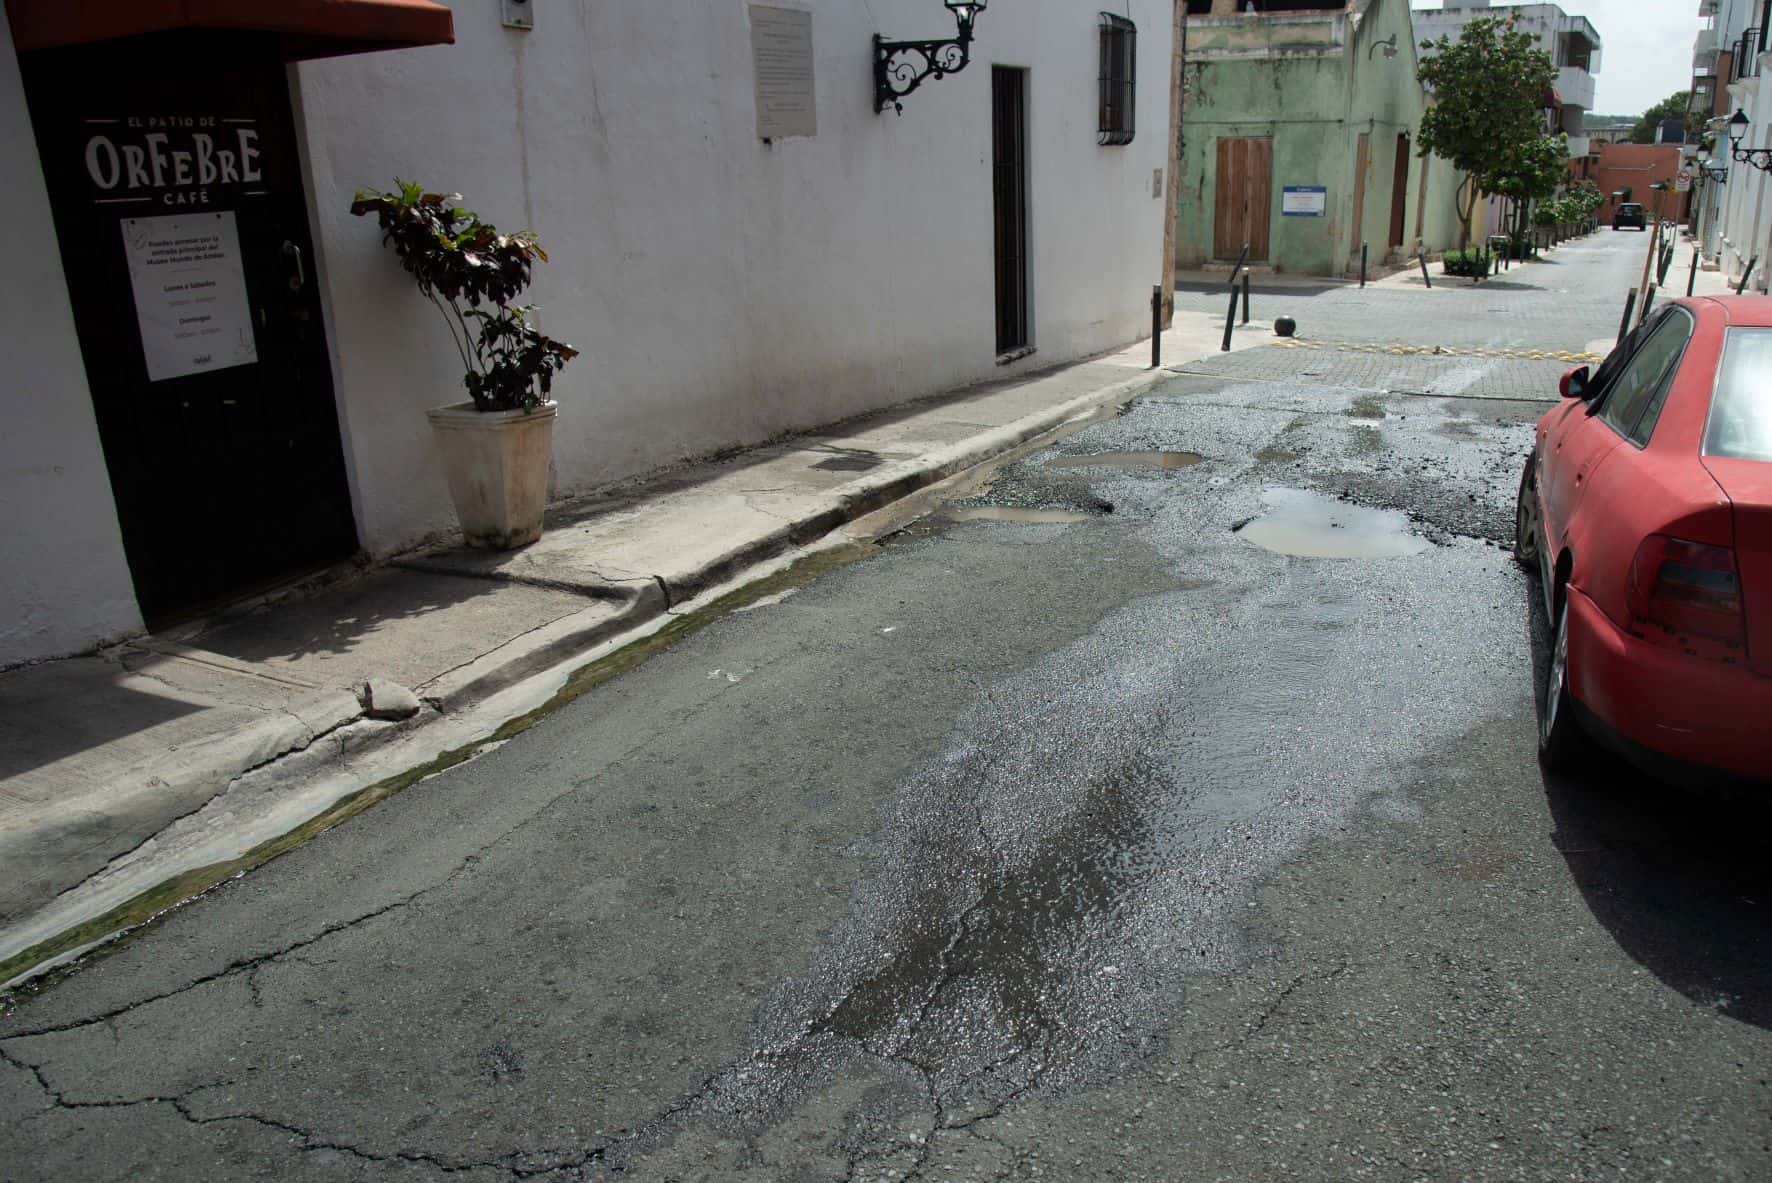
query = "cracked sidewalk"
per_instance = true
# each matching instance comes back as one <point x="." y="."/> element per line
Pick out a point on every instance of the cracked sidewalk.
<point x="127" y="763"/>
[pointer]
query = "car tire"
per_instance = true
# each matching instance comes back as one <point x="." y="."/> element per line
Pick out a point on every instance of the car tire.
<point x="1561" y="742"/>
<point x="1526" y="514"/>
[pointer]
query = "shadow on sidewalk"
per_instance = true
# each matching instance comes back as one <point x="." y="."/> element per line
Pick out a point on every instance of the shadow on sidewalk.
<point x="59" y="709"/>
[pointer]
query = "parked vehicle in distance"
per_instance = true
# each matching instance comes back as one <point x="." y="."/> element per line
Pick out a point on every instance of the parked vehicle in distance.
<point x="1646" y="510"/>
<point x="1630" y="214"/>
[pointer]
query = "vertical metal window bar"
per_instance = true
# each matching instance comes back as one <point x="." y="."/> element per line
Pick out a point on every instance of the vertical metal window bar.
<point x="1119" y="70"/>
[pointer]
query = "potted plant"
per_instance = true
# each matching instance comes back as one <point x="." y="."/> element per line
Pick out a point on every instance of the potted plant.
<point x="496" y="445"/>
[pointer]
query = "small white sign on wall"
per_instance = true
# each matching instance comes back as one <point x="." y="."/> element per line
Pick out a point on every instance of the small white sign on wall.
<point x="1303" y="201"/>
<point x="190" y="293"/>
<point x="781" y="57"/>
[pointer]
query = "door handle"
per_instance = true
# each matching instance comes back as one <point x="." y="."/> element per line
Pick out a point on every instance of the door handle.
<point x="298" y="277"/>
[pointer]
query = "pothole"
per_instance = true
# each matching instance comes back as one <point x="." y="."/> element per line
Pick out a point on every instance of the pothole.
<point x="1127" y="461"/>
<point x="1299" y="522"/>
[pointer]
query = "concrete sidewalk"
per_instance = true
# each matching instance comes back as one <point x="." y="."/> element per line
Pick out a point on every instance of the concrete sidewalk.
<point x="134" y="777"/>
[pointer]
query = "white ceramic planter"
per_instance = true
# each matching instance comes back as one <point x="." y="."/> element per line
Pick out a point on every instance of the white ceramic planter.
<point x="496" y="463"/>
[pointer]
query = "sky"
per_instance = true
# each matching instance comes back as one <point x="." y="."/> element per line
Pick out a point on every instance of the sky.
<point x="1646" y="49"/>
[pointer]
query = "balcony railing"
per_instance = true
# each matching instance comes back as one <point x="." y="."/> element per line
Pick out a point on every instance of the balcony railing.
<point x="1747" y="55"/>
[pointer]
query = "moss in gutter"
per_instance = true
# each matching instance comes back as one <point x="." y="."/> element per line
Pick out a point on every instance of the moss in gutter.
<point x="142" y="910"/>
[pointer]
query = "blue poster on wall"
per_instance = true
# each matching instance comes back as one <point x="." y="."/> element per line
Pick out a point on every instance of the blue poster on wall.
<point x="1304" y="201"/>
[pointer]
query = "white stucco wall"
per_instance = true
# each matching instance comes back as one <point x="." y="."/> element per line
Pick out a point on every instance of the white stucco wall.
<point x="64" y="584"/>
<point x="722" y="290"/>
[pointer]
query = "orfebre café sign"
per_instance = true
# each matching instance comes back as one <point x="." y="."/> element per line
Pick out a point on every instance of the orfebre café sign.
<point x="171" y="160"/>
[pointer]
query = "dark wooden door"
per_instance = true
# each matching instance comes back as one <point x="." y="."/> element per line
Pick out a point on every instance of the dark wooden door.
<point x="1244" y="196"/>
<point x="177" y="190"/>
<point x="1399" y="191"/>
<point x="1009" y="197"/>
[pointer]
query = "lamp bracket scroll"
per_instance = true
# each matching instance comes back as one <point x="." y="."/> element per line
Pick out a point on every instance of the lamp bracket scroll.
<point x="901" y="66"/>
<point x="1760" y="158"/>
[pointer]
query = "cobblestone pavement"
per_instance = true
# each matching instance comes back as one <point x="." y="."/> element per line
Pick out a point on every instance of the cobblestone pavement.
<point x="1450" y="375"/>
<point x="1566" y="301"/>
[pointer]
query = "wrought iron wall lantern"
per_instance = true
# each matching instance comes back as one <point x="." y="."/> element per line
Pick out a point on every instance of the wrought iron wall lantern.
<point x="1760" y="158"/>
<point x="901" y="66"/>
<point x="1389" y="45"/>
<point x="1714" y="171"/>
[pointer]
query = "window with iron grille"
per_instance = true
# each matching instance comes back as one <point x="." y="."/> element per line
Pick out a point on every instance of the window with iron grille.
<point x="1119" y="40"/>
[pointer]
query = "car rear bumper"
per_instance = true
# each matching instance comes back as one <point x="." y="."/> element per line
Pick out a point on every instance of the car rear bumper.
<point x="1684" y="718"/>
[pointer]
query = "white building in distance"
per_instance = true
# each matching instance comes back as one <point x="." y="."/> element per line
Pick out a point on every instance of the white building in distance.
<point x="1571" y="42"/>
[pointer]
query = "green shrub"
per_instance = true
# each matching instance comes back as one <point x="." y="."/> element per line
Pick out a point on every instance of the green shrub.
<point x="1472" y="263"/>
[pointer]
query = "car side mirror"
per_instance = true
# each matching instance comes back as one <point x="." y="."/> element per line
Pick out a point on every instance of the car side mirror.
<point x="1574" y="383"/>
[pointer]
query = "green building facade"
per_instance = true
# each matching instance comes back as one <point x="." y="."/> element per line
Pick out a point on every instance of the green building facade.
<point x="1299" y="137"/>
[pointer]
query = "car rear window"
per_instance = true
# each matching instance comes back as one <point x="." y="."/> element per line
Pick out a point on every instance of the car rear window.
<point x="1741" y="409"/>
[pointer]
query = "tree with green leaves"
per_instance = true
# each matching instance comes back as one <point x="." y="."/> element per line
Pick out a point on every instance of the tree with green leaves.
<point x="1532" y="174"/>
<point x="1672" y="107"/>
<point x="1487" y="114"/>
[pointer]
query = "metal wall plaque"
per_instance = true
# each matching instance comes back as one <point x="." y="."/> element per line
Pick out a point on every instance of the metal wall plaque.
<point x="781" y="55"/>
<point x="1304" y="201"/>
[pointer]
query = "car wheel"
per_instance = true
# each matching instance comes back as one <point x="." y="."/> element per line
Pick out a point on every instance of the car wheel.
<point x="1561" y="743"/>
<point x="1526" y="516"/>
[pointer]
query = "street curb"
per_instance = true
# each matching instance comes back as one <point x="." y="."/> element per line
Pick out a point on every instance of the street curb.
<point x="193" y="776"/>
<point x="615" y="611"/>
<point x="550" y="645"/>
<point x="474" y="701"/>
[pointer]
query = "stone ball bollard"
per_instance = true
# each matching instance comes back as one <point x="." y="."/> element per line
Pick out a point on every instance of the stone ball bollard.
<point x="1285" y="326"/>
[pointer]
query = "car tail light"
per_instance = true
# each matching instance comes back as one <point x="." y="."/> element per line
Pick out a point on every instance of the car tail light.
<point x="1689" y="593"/>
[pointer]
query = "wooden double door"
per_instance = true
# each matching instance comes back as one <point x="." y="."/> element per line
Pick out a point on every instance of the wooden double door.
<point x="1244" y="185"/>
<point x="176" y="186"/>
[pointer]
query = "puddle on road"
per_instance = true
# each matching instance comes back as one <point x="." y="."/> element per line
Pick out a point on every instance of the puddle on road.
<point x="1014" y="513"/>
<point x="1127" y="461"/>
<point x="1314" y="526"/>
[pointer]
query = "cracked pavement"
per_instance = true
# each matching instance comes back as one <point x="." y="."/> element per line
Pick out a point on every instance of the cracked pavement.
<point x="1115" y="848"/>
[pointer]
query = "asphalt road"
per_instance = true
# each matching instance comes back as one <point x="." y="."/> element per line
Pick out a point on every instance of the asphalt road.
<point x="1111" y="844"/>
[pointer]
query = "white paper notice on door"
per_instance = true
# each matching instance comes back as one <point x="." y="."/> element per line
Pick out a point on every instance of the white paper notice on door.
<point x="190" y="293"/>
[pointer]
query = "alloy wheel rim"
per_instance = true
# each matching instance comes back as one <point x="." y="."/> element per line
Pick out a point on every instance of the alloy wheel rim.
<point x="1553" y="690"/>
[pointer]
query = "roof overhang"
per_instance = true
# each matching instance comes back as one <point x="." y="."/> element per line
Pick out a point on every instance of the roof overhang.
<point x="303" y="28"/>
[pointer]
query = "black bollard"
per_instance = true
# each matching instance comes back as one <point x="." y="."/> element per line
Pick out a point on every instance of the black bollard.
<point x="1742" y="286"/>
<point x="1648" y="299"/>
<point x="1230" y="321"/>
<point x="1156" y="325"/>
<point x="1422" y="257"/>
<point x="1630" y="303"/>
<point x="1362" y="264"/>
<point x="1692" y="275"/>
<point x="1241" y="259"/>
<point x="1245" y="297"/>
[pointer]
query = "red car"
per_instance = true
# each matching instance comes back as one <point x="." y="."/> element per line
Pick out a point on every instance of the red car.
<point x="1646" y="509"/>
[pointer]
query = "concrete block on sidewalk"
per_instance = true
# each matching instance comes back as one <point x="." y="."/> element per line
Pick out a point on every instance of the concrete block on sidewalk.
<point x="383" y="699"/>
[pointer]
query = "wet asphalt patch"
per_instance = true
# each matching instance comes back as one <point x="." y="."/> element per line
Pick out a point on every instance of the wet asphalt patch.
<point x="1089" y="837"/>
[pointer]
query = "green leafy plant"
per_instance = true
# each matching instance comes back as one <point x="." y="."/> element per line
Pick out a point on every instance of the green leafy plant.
<point x="1486" y="117"/>
<point x="1471" y="263"/>
<point x="473" y="274"/>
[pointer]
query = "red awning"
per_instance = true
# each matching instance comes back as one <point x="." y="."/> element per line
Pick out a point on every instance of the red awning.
<point x="304" y="28"/>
